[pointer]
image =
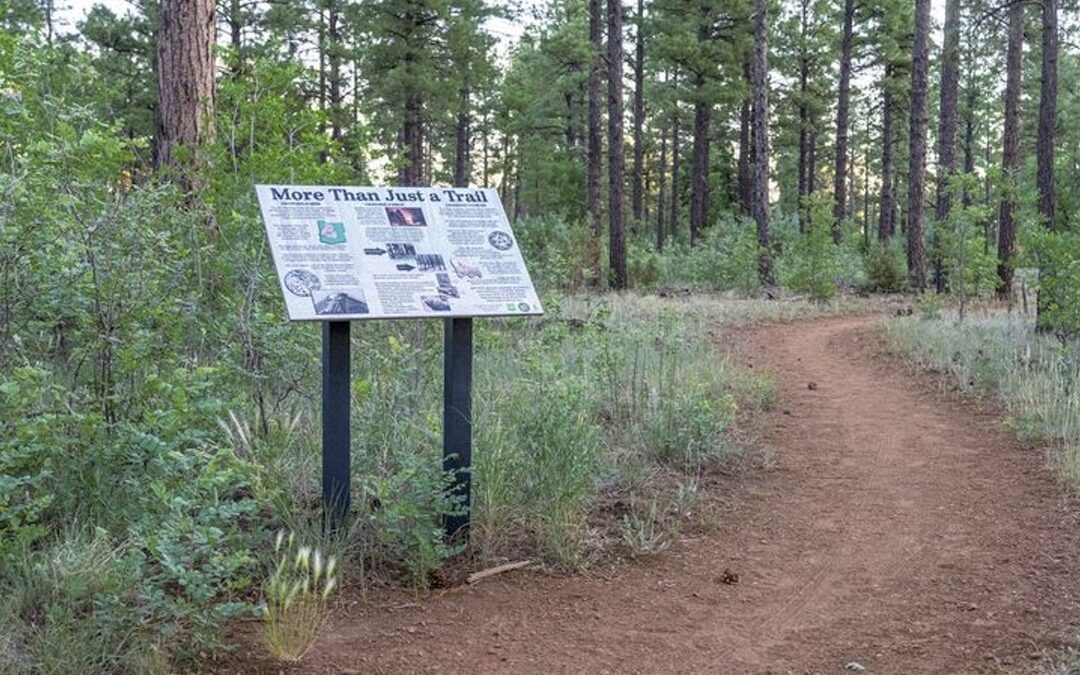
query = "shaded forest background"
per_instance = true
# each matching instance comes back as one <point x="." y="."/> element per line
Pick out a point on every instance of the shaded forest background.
<point x="866" y="118"/>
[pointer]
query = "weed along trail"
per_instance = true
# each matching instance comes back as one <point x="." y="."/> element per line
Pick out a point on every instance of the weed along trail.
<point x="896" y="530"/>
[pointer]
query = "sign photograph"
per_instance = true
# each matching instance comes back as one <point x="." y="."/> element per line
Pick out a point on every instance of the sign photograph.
<point x="345" y="253"/>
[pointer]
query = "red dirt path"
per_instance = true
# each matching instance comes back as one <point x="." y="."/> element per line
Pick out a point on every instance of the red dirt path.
<point x="899" y="528"/>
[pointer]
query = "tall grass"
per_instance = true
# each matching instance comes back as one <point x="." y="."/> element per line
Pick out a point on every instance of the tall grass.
<point x="1035" y="376"/>
<point x="595" y="427"/>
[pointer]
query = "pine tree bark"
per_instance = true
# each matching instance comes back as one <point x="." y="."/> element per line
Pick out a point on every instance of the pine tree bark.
<point x="950" y="81"/>
<point x="593" y="154"/>
<point x="887" y="208"/>
<point x="462" y="140"/>
<point x="699" y="167"/>
<point x="744" y="146"/>
<point x="759" y="118"/>
<point x="235" y="22"/>
<point x="1010" y="154"/>
<point x="637" y="197"/>
<point x="804" y="117"/>
<point x="842" y="111"/>
<point x="969" y="137"/>
<point x="1045" y="142"/>
<point x="1047" y="113"/>
<point x="946" y="151"/>
<point x="676" y="168"/>
<point x="412" y="135"/>
<point x="333" y="58"/>
<point x="184" y="117"/>
<point x="661" y="187"/>
<point x="916" y="218"/>
<point x="616" y="159"/>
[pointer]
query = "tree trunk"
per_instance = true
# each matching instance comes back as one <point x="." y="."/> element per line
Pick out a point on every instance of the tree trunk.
<point x="412" y="173"/>
<point x="568" y="130"/>
<point x="661" y="186"/>
<point x="1010" y="154"/>
<point x="744" y="146"/>
<point x="1045" y="142"/>
<point x="184" y="117"/>
<point x="804" y="119"/>
<point x="616" y="170"/>
<point x="320" y="38"/>
<point x="675" y="171"/>
<point x="462" y="141"/>
<point x="637" y="197"/>
<point x="866" y="184"/>
<point x="920" y="65"/>
<point x="950" y="77"/>
<point x="50" y="11"/>
<point x="759" y="120"/>
<point x="592" y="168"/>
<point x="236" y="27"/>
<point x="886" y="226"/>
<point x="969" y="139"/>
<point x="333" y="57"/>
<point x="699" y="169"/>
<point x="1047" y="113"/>
<point x="842" y="105"/>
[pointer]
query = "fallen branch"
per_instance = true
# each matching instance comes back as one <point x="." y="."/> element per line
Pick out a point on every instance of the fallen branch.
<point x="492" y="571"/>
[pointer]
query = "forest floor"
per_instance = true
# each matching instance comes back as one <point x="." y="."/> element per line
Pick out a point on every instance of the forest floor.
<point x="896" y="527"/>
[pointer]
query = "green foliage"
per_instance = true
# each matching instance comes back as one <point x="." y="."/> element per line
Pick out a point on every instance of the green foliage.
<point x="555" y="248"/>
<point x="1057" y="255"/>
<point x="813" y="266"/>
<point x="970" y="271"/>
<point x="31" y="419"/>
<point x="725" y="259"/>
<point x="402" y="513"/>
<point x="886" y="269"/>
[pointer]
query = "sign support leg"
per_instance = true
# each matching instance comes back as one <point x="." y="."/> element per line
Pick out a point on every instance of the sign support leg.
<point x="335" y="423"/>
<point x="457" y="419"/>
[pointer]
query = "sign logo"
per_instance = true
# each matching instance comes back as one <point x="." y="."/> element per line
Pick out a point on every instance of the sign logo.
<point x="331" y="233"/>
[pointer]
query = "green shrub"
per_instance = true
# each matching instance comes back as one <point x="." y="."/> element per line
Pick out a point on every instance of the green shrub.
<point x="1057" y="255"/>
<point x="970" y="270"/>
<point x="885" y="269"/>
<point x="813" y="268"/>
<point x="724" y="259"/>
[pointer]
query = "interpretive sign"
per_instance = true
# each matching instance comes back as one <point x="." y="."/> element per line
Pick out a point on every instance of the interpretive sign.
<point x="345" y="253"/>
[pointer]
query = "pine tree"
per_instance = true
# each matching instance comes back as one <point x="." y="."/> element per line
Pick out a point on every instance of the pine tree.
<point x="1010" y="157"/>
<point x="616" y="158"/>
<point x="185" y="76"/>
<point x="759" y="116"/>
<point x="949" y="85"/>
<point x="843" y="105"/>
<point x="920" y="65"/>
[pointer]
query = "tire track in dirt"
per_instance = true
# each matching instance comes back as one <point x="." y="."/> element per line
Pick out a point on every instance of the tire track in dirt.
<point x="898" y="528"/>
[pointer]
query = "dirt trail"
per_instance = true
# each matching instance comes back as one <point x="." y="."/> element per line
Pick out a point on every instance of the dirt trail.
<point x="898" y="529"/>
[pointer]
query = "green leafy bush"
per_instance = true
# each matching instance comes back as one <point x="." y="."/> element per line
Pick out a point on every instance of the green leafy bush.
<point x="886" y="270"/>
<point x="813" y="268"/>
<point x="1057" y="255"/>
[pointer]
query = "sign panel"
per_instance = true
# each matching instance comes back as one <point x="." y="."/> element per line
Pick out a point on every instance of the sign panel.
<point x="345" y="253"/>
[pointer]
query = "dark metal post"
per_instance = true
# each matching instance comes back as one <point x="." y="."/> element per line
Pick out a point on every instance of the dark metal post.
<point x="457" y="418"/>
<point x="335" y="423"/>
